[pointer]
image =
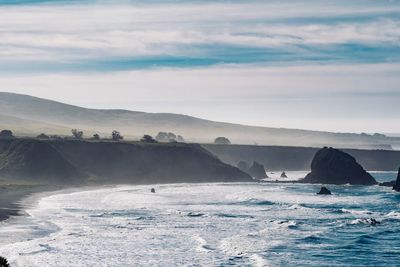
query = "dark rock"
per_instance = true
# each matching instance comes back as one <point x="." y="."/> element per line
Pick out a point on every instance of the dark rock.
<point x="243" y="166"/>
<point x="152" y="190"/>
<point x="283" y="175"/>
<point x="396" y="186"/>
<point x="374" y="222"/>
<point x="370" y="221"/>
<point x="324" y="191"/>
<point x="332" y="166"/>
<point x="388" y="184"/>
<point x="257" y="170"/>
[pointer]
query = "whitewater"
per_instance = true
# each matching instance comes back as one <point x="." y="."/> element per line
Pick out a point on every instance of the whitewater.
<point x="215" y="224"/>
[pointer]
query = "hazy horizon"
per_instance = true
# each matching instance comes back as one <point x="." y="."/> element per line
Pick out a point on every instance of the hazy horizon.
<point x="318" y="65"/>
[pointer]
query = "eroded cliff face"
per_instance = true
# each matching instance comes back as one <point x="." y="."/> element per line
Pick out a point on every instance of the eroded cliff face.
<point x="332" y="166"/>
<point x="73" y="161"/>
<point x="36" y="161"/>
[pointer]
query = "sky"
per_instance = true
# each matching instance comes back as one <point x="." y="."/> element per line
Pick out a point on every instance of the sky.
<point x="321" y="65"/>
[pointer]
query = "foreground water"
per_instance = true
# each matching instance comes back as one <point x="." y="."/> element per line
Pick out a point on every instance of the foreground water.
<point x="243" y="224"/>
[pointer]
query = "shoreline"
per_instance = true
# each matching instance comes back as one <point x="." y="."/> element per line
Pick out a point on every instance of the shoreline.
<point x="14" y="199"/>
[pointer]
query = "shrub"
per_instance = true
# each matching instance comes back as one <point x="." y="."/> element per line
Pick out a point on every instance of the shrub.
<point x="77" y="134"/>
<point x="148" y="139"/>
<point x="6" y="134"/>
<point x="96" y="137"/>
<point x="116" y="136"/>
<point x="43" y="136"/>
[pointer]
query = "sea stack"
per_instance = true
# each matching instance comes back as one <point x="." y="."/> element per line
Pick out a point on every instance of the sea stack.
<point x="283" y="175"/>
<point x="324" y="191"/>
<point x="243" y="166"/>
<point x="257" y="170"/>
<point x="397" y="184"/>
<point x="332" y="166"/>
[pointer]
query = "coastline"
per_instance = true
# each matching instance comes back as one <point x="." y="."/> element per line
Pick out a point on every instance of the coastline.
<point x="14" y="198"/>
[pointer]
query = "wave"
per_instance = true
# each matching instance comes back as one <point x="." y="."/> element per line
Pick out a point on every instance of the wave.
<point x="393" y="214"/>
<point x="356" y="212"/>
<point x="367" y="221"/>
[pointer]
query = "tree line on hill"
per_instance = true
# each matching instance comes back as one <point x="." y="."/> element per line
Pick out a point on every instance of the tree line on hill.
<point x="161" y="137"/>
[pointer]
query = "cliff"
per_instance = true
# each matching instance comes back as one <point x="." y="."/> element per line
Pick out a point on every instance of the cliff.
<point x="73" y="161"/>
<point x="278" y="158"/>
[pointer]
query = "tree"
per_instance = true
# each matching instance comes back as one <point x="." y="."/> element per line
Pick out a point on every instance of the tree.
<point x="148" y="139"/>
<point x="162" y="137"/>
<point x="180" y="139"/>
<point x="43" y="136"/>
<point x="6" y="134"/>
<point x="4" y="262"/>
<point x="116" y="136"/>
<point x="96" y="137"/>
<point x="77" y="134"/>
<point x="222" y="141"/>
<point x="171" y="137"/>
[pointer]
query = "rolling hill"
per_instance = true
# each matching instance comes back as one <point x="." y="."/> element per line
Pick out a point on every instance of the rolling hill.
<point x="27" y="115"/>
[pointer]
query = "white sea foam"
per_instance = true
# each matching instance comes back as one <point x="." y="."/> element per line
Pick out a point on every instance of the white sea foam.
<point x="186" y="224"/>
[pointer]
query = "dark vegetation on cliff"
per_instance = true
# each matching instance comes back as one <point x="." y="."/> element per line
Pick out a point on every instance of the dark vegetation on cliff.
<point x="78" y="161"/>
<point x="332" y="166"/>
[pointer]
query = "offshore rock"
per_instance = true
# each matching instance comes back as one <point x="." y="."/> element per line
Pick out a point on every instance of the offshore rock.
<point x="257" y="170"/>
<point x="324" y="191"/>
<point x="332" y="166"/>
<point x="397" y="184"/>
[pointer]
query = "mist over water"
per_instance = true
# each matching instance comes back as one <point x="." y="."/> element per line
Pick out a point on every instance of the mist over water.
<point x="220" y="224"/>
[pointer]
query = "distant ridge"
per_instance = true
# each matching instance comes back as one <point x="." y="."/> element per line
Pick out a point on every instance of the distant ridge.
<point x="28" y="115"/>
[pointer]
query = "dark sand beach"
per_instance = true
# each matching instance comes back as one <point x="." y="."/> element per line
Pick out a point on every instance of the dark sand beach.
<point x="11" y="196"/>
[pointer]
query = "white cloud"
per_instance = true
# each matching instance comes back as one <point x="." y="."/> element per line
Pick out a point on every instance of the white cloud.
<point x="93" y="31"/>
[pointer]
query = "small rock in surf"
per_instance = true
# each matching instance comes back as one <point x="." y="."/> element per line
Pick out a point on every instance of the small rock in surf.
<point x="324" y="191"/>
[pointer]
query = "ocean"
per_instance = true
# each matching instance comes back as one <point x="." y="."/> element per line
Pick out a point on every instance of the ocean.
<point x="215" y="224"/>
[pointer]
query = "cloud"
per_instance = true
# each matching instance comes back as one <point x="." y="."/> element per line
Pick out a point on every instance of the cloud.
<point x="304" y="64"/>
<point x="81" y="36"/>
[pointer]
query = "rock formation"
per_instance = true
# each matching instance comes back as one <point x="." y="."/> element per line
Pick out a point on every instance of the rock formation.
<point x="257" y="170"/>
<point x="397" y="184"/>
<point x="283" y="175"/>
<point x="243" y="166"/>
<point x="332" y="166"/>
<point x="324" y="191"/>
<point x="388" y="184"/>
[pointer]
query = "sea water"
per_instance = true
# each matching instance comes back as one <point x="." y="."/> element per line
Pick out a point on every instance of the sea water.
<point x="215" y="224"/>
